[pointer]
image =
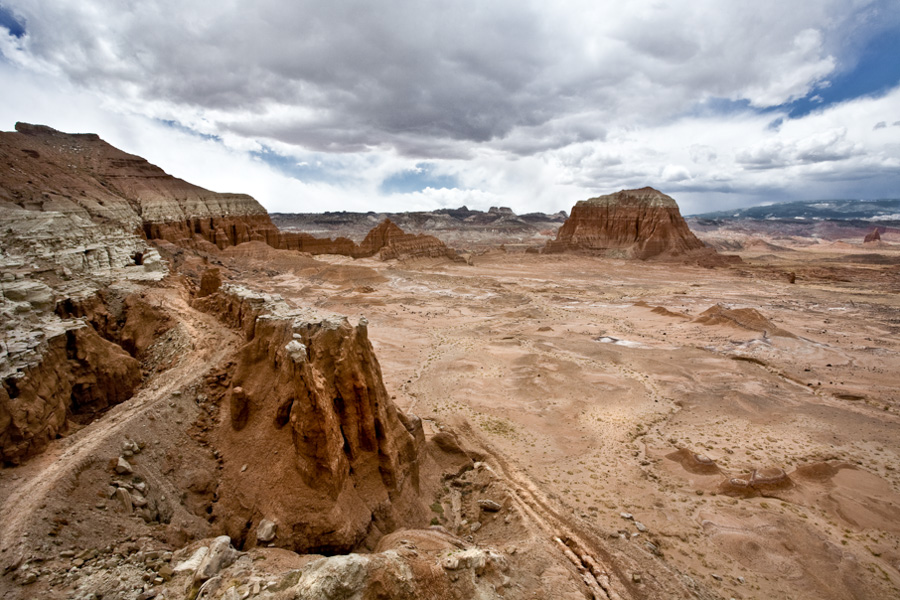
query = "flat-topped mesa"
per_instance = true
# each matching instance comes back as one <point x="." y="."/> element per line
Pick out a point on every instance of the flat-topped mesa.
<point x="313" y="441"/>
<point x="80" y="174"/>
<point x="642" y="223"/>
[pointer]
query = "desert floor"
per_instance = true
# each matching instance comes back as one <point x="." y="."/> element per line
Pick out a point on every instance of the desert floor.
<point x="594" y="380"/>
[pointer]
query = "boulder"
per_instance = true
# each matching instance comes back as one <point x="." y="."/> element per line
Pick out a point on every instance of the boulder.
<point x="123" y="467"/>
<point x="220" y="555"/>
<point x="266" y="531"/>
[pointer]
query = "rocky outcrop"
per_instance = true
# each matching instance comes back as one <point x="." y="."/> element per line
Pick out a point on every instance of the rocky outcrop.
<point x="389" y="241"/>
<point x="765" y="482"/>
<point x="643" y="223"/>
<point x="80" y="174"/>
<point x="312" y="441"/>
<point x="70" y="373"/>
<point x="81" y="177"/>
<point x="698" y="464"/>
<point x="874" y="236"/>
<point x="749" y="319"/>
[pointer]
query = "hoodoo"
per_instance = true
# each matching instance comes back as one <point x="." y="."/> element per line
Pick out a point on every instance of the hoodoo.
<point x="642" y="223"/>
<point x="872" y="237"/>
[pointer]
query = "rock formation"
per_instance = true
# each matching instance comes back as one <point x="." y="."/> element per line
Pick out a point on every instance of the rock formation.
<point x="389" y="241"/>
<point x="314" y="442"/>
<point x="872" y="237"/>
<point x="643" y="223"/>
<point x="741" y="318"/>
<point x="69" y="372"/>
<point x="82" y="175"/>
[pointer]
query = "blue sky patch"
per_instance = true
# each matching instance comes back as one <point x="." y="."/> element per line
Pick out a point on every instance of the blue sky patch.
<point x="8" y="21"/>
<point x="876" y="72"/>
<point x="179" y="127"/>
<point x="416" y="180"/>
<point x="305" y="171"/>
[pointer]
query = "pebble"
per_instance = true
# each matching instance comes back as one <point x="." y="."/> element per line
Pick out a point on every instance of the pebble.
<point x="640" y="526"/>
<point x="123" y="467"/>
<point x="626" y="515"/>
<point x="125" y="498"/>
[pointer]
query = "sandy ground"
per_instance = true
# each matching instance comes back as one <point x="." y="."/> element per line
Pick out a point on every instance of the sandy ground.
<point x="755" y="453"/>
<point x="567" y="368"/>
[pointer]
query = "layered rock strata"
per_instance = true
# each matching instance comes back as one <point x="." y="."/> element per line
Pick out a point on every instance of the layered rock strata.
<point x="389" y="241"/>
<point x="80" y="175"/>
<point x="68" y="371"/>
<point x="311" y="441"/>
<point x="642" y="223"/>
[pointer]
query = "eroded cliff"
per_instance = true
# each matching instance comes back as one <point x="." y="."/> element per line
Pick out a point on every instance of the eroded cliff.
<point x="83" y="176"/>
<point x="310" y="440"/>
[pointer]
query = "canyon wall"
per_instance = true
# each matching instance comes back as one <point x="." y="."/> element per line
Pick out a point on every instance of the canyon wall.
<point x="82" y="175"/>
<point x="72" y="373"/>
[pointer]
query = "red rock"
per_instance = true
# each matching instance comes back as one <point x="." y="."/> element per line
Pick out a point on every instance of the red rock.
<point x="389" y="241"/>
<point x="328" y="456"/>
<point x="643" y="223"/>
<point x="872" y="237"/>
<point x="77" y="373"/>
<point x="82" y="174"/>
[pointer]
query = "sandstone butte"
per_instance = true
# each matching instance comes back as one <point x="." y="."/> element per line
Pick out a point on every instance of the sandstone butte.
<point x="83" y="175"/>
<point x="642" y="224"/>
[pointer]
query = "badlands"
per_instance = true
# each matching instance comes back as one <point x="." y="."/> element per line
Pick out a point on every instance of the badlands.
<point x="196" y="404"/>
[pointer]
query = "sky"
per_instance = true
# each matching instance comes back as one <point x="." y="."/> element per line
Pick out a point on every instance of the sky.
<point x="314" y="106"/>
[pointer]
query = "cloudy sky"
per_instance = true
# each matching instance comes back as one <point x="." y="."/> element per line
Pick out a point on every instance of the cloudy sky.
<point x="416" y="104"/>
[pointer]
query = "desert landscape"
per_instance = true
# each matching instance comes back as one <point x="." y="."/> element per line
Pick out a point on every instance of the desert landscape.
<point x="198" y="404"/>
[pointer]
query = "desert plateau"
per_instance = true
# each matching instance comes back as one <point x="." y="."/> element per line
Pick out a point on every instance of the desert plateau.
<point x="202" y="402"/>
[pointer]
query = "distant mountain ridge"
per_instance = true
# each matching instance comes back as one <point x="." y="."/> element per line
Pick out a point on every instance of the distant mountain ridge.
<point x="887" y="209"/>
<point x="457" y="227"/>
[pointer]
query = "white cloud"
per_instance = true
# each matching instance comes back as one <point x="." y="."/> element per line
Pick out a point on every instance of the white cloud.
<point x="528" y="104"/>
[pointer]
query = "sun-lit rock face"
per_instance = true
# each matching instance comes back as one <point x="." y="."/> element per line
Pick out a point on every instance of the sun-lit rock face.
<point x="642" y="223"/>
<point x="313" y="440"/>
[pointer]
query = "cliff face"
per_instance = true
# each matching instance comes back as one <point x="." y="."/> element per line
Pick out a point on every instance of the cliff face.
<point x="311" y="440"/>
<point x="642" y="223"/>
<point x="81" y="175"/>
<point x="872" y="237"/>
<point x="72" y="373"/>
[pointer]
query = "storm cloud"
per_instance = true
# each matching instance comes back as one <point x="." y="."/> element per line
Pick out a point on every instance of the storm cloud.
<point x="579" y="93"/>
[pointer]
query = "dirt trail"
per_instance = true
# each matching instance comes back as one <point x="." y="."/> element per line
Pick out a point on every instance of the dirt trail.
<point x="592" y="560"/>
<point x="210" y="343"/>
